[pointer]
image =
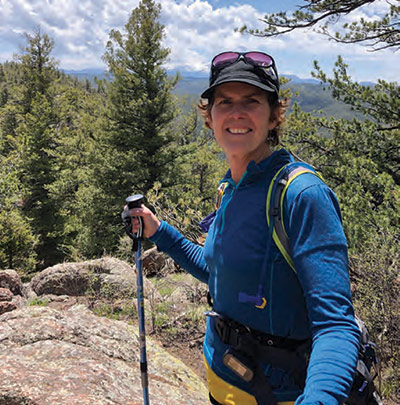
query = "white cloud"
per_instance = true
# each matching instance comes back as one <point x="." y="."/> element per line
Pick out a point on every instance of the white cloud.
<point x="80" y="29"/>
<point x="370" y="12"/>
<point x="195" y="31"/>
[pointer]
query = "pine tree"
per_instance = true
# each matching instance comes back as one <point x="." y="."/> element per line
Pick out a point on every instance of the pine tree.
<point x="38" y="67"/>
<point x="137" y="148"/>
<point x="17" y="240"/>
<point x="321" y="15"/>
<point x="80" y="114"/>
<point x="35" y="135"/>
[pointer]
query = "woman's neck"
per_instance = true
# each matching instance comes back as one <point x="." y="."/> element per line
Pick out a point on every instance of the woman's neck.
<point x="238" y="165"/>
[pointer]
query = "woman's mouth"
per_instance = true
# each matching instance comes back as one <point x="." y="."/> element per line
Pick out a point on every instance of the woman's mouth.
<point x="239" y="131"/>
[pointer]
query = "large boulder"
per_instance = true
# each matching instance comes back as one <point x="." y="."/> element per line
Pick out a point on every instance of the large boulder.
<point x="107" y="277"/>
<point x="49" y="356"/>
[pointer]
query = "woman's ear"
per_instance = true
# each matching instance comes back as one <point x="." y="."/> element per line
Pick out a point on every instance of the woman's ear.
<point x="274" y="118"/>
<point x="208" y="121"/>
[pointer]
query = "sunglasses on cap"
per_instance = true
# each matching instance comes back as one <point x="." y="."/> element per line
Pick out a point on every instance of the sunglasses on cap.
<point x="263" y="62"/>
<point x="255" y="58"/>
<point x="254" y="68"/>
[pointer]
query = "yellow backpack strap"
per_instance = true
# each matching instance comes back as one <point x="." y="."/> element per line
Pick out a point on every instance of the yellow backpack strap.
<point x="274" y="205"/>
<point x="220" y="193"/>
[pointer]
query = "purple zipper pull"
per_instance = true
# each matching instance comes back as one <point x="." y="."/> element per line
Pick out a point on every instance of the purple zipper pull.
<point x="258" y="300"/>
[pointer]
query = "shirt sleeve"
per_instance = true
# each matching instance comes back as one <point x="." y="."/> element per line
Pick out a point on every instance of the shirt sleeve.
<point x="319" y="251"/>
<point x="187" y="254"/>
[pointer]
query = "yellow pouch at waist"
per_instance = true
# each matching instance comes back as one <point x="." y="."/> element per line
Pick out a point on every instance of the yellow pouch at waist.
<point x="228" y="394"/>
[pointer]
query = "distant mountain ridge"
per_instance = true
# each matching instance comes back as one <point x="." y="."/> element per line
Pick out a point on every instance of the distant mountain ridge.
<point x="312" y="95"/>
<point x="91" y="73"/>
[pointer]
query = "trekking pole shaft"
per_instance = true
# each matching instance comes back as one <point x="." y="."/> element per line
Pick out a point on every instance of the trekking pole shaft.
<point x="142" y="331"/>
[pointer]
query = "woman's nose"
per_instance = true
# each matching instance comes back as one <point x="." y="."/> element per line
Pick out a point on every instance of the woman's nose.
<point x="238" y="110"/>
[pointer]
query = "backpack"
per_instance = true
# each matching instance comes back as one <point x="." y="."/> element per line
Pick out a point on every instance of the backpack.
<point x="363" y="391"/>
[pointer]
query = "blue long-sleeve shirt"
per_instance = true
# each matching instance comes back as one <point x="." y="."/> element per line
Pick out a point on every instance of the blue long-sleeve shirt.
<point x="315" y="302"/>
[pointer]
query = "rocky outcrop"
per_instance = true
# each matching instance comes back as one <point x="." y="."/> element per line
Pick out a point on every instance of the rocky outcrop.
<point x="62" y="353"/>
<point x="49" y="356"/>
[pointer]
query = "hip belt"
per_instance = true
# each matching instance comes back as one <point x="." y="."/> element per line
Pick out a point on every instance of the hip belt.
<point x="250" y="349"/>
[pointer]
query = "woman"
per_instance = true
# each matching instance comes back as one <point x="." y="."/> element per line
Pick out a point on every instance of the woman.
<point x="245" y="115"/>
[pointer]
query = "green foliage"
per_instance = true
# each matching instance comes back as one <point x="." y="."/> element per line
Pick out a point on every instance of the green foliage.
<point x="377" y="300"/>
<point x="38" y="302"/>
<point x="136" y="148"/>
<point x="141" y="105"/>
<point x="28" y="137"/>
<point x="17" y="240"/>
<point x="78" y="132"/>
<point x="117" y="311"/>
<point x="37" y="172"/>
<point x="38" y="68"/>
<point x="358" y="158"/>
<point x="377" y="34"/>
<point x="49" y="129"/>
<point x="200" y="164"/>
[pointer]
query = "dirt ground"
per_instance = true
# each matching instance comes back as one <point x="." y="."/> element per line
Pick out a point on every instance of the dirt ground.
<point x="186" y="345"/>
<point x="190" y="353"/>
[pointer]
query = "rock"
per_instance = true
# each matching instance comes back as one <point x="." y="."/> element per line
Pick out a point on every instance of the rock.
<point x="65" y="278"/>
<point x="6" y="294"/>
<point x="71" y="357"/>
<point x="6" y="306"/>
<point x="107" y="277"/>
<point x="28" y="292"/>
<point x="11" y="280"/>
<point x="9" y="301"/>
<point x="156" y="263"/>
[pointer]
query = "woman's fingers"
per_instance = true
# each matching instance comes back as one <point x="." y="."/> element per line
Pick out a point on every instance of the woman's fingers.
<point x="150" y="221"/>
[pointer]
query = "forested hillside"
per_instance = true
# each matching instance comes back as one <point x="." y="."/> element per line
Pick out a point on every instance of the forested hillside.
<point x="71" y="151"/>
<point x="311" y="97"/>
<point x="310" y="94"/>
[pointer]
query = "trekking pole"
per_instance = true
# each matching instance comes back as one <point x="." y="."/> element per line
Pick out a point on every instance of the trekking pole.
<point x="135" y="201"/>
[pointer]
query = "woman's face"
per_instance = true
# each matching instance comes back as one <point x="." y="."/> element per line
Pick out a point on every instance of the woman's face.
<point x="240" y="118"/>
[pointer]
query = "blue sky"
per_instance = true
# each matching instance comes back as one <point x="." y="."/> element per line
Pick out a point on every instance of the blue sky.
<point x="195" y="31"/>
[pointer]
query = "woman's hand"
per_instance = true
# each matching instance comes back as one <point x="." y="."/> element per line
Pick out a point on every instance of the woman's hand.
<point x="150" y="221"/>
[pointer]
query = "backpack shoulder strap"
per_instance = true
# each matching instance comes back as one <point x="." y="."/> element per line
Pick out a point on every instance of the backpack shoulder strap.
<point x="220" y="193"/>
<point x="274" y="205"/>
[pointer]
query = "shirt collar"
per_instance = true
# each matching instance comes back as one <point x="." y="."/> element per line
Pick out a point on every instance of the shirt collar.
<point x="255" y="171"/>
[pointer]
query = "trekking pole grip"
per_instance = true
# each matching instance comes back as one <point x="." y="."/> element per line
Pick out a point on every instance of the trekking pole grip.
<point x="134" y="201"/>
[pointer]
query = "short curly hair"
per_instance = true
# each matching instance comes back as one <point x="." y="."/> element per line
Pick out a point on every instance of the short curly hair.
<point x="278" y="110"/>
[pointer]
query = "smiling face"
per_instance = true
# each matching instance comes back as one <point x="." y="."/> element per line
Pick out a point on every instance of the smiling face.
<point x="240" y="118"/>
